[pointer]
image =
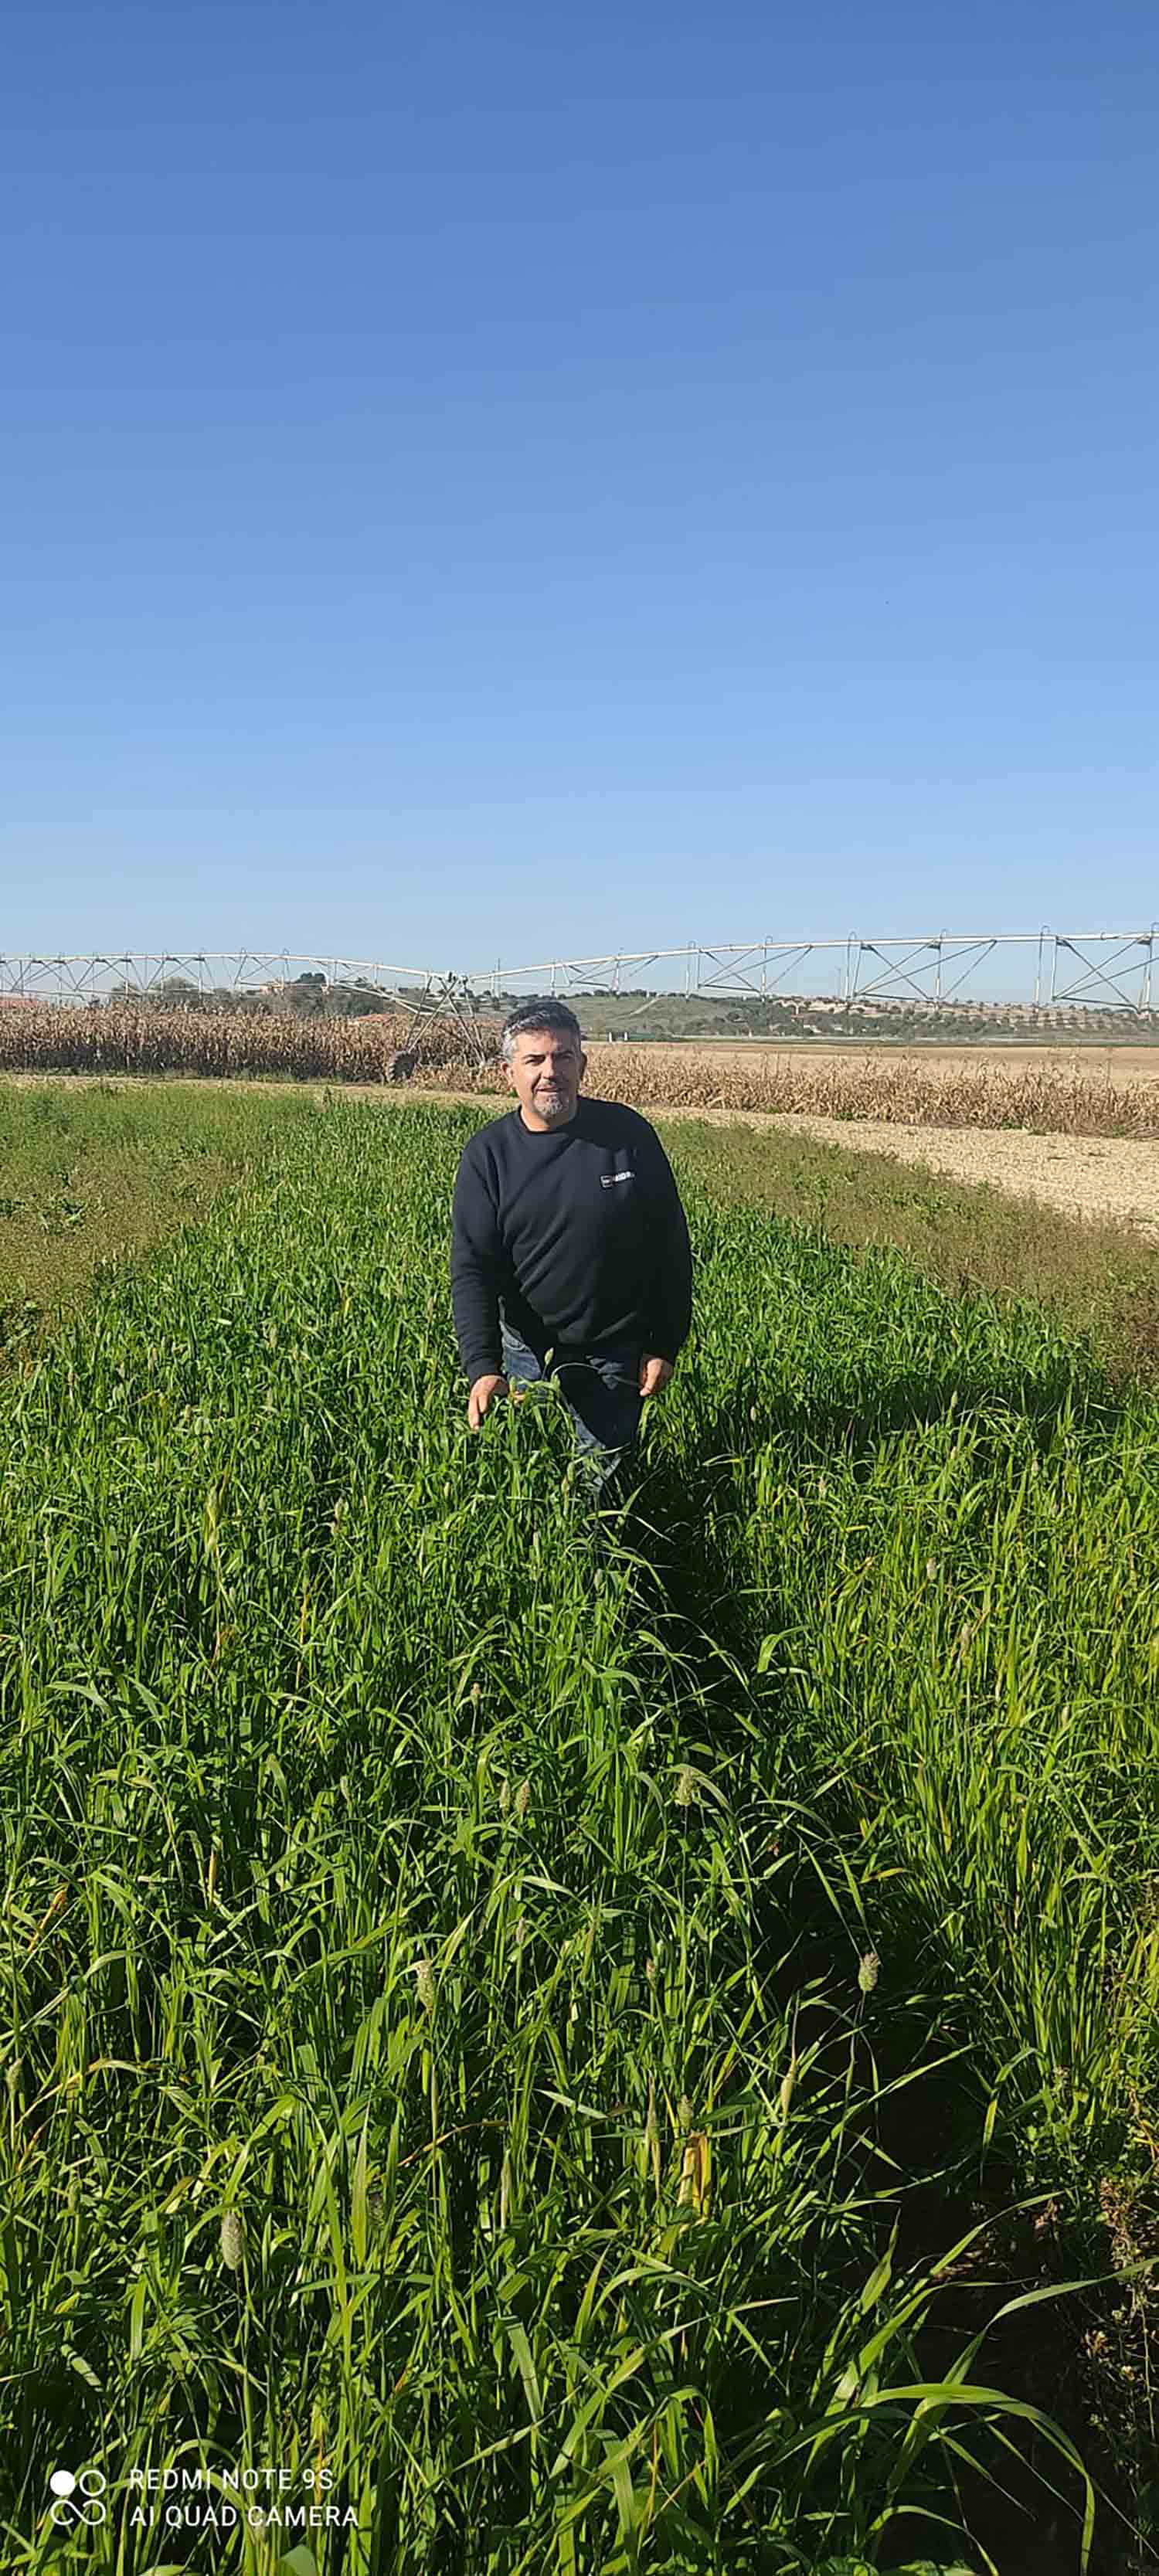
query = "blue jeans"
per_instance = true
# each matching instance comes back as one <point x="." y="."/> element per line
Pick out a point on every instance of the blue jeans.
<point x="601" y="1390"/>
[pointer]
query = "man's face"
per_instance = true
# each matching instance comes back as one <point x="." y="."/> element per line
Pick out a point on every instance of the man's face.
<point x="546" y="1072"/>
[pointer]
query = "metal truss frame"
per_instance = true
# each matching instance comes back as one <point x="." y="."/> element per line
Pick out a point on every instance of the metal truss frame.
<point x="881" y="968"/>
<point x="1138" y="950"/>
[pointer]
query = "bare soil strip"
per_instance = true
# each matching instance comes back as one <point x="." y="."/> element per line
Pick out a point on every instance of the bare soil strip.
<point x="1106" y="1178"/>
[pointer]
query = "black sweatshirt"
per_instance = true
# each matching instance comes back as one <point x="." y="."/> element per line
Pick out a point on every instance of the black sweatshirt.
<point x="579" y="1230"/>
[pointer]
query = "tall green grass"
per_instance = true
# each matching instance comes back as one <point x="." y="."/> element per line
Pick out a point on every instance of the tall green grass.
<point x="946" y="1528"/>
<point x="94" y="1175"/>
<point x="462" y="1991"/>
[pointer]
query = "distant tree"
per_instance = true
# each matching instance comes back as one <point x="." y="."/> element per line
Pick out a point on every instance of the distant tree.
<point x="354" y="1001"/>
<point x="306" y="996"/>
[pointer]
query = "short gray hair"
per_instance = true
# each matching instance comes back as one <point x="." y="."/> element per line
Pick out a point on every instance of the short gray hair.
<point x="537" y="1015"/>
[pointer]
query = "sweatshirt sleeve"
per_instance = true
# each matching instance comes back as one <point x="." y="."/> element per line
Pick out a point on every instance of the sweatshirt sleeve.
<point x="669" y="1311"/>
<point x="476" y="1265"/>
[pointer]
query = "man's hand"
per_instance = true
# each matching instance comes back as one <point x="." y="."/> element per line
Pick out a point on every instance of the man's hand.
<point x="654" y="1374"/>
<point x="482" y="1394"/>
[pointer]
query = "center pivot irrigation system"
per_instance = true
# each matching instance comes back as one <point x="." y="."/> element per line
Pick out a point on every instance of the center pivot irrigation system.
<point x="931" y="970"/>
<point x="1106" y="969"/>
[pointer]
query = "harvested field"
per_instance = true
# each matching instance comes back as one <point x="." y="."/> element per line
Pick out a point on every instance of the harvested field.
<point x="1093" y="1062"/>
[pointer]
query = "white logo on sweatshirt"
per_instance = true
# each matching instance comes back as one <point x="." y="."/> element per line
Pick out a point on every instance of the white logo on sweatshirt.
<point x="608" y="1179"/>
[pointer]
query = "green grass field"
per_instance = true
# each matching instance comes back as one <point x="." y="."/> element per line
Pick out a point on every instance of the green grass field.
<point x="96" y="1175"/>
<point x="568" y="2061"/>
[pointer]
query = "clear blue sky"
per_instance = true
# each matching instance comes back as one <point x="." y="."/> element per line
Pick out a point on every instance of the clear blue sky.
<point x="490" y="480"/>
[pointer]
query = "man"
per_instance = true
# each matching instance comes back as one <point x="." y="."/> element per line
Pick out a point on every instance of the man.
<point x="570" y="1247"/>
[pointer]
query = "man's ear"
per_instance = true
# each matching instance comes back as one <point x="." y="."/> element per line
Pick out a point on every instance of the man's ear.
<point x="583" y="1067"/>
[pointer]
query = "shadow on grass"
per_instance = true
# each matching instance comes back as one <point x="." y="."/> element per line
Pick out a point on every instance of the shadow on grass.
<point x="1048" y="1400"/>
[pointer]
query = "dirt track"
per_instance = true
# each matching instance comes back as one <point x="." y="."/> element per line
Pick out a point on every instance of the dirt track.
<point x="1107" y="1178"/>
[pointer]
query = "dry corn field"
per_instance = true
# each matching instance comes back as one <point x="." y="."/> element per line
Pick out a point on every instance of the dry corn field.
<point x="1048" y="1097"/>
<point x="1052" y="1099"/>
<point x="214" y="1043"/>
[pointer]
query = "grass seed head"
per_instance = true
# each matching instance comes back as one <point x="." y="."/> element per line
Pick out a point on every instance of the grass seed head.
<point x="693" y="2186"/>
<point x="424" y="1977"/>
<point x="867" y="1968"/>
<point x="232" y="2239"/>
